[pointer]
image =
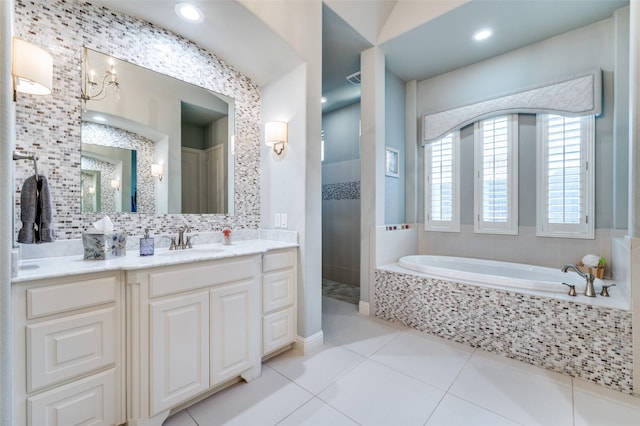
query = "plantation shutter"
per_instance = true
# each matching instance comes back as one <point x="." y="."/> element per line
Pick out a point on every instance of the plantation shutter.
<point x="564" y="164"/>
<point x="496" y="175"/>
<point x="442" y="179"/>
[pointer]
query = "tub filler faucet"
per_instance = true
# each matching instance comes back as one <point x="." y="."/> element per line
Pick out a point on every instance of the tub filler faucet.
<point x="589" y="291"/>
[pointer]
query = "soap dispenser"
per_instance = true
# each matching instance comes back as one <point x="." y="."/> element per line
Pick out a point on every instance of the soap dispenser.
<point x="146" y="244"/>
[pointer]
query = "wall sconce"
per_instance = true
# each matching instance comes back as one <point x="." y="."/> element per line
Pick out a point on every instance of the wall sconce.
<point x="157" y="170"/>
<point x="32" y="69"/>
<point x="115" y="184"/>
<point x="92" y="190"/>
<point x="275" y="135"/>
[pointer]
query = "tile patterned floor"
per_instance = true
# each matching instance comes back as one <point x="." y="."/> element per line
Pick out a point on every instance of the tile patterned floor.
<point x="371" y="372"/>
<point x="346" y="292"/>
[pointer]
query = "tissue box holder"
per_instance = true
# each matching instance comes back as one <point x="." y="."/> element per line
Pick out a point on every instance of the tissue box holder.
<point x="104" y="246"/>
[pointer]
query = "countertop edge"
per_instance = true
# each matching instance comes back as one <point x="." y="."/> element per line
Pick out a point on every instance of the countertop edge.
<point x="68" y="266"/>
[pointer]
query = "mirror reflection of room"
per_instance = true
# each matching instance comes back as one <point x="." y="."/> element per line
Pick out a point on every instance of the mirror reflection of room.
<point x="133" y="119"/>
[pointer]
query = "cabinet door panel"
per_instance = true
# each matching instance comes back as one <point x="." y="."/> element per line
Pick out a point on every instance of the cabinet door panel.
<point x="277" y="290"/>
<point x="64" y="348"/>
<point x="277" y="330"/>
<point x="234" y="330"/>
<point x="179" y="349"/>
<point x="89" y="401"/>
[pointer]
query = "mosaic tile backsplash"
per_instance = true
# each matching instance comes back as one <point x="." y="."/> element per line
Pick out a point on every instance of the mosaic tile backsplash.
<point x="588" y="342"/>
<point x="50" y="125"/>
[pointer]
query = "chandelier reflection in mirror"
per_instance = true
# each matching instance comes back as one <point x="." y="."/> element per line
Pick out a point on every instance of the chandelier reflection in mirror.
<point x="95" y="87"/>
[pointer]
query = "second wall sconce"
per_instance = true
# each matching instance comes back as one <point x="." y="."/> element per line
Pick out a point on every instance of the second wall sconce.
<point x="115" y="184"/>
<point x="275" y="135"/>
<point x="32" y="69"/>
<point x="157" y="170"/>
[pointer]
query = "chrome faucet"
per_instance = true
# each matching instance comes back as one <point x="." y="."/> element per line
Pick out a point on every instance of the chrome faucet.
<point x="182" y="242"/>
<point x="589" y="291"/>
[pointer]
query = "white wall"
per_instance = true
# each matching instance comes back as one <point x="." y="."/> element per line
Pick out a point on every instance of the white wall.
<point x="294" y="181"/>
<point x="7" y="133"/>
<point x="372" y="63"/>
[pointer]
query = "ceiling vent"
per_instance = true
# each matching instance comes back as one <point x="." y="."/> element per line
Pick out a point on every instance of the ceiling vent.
<point x="354" y="78"/>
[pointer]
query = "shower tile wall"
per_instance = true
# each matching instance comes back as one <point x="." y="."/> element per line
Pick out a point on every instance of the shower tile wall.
<point x="50" y="125"/>
<point x="341" y="222"/>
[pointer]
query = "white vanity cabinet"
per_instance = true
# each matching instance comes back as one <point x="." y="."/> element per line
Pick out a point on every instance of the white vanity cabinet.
<point x="68" y="351"/>
<point x="278" y="300"/>
<point x="191" y="327"/>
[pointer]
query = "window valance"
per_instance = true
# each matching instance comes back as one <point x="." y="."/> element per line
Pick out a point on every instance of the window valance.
<point x="576" y="95"/>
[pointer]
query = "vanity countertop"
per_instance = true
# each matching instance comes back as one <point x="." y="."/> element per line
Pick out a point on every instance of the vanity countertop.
<point x="55" y="267"/>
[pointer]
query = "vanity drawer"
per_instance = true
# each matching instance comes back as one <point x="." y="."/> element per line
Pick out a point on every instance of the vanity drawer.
<point x="90" y="401"/>
<point x="278" y="290"/>
<point x="65" y="348"/>
<point x="180" y="279"/>
<point x="54" y="299"/>
<point x="274" y="260"/>
<point x="277" y="330"/>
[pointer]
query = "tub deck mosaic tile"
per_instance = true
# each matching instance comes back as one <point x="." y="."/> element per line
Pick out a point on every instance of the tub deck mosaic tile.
<point x="587" y="342"/>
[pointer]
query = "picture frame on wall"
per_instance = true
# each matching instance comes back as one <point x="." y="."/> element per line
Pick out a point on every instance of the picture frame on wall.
<point x="392" y="162"/>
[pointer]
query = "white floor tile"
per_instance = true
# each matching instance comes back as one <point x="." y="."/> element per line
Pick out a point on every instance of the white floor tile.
<point x="454" y="411"/>
<point x="597" y="406"/>
<point x="317" y="413"/>
<point x="334" y="306"/>
<point x="180" y="419"/>
<point x="362" y="335"/>
<point x="526" y="395"/>
<point x="316" y="371"/>
<point x="264" y="401"/>
<point x="372" y="394"/>
<point x="426" y="358"/>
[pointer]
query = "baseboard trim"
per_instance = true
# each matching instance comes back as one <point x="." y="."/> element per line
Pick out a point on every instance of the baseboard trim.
<point x="364" y="308"/>
<point x="309" y="344"/>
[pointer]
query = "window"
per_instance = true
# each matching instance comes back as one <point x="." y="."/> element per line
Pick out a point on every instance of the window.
<point x="442" y="195"/>
<point x="565" y="176"/>
<point x="496" y="175"/>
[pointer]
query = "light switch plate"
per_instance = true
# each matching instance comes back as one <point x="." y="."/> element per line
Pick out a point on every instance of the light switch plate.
<point x="278" y="220"/>
<point x="283" y="220"/>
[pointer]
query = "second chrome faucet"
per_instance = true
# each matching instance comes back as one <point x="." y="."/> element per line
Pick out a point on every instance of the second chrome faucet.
<point x="589" y="291"/>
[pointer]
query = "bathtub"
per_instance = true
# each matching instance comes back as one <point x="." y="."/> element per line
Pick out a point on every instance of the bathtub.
<point x="519" y="311"/>
<point x="496" y="274"/>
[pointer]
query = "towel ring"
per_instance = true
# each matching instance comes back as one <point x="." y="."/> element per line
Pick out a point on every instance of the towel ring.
<point x="18" y="156"/>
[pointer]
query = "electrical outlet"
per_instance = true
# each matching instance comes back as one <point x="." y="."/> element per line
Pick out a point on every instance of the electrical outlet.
<point x="283" y="220"/>
<point x="278" y="220"/>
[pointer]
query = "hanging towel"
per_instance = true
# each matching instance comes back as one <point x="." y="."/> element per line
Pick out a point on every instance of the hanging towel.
<point x="36" y="212"/>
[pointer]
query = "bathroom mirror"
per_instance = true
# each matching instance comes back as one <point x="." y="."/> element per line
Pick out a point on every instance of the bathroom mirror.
<point x="150" y="118"/>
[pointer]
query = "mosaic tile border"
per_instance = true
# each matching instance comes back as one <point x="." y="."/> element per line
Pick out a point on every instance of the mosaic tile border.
<point x="588" y="342"/>
<point x="50" y="125"/>
<point x="341" y="191"/>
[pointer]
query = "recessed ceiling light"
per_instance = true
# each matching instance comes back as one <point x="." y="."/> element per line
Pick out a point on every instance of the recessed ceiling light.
<point x="189" y="12"/>
<point x="323" y="100"/>
<point x="483" y="34"/>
